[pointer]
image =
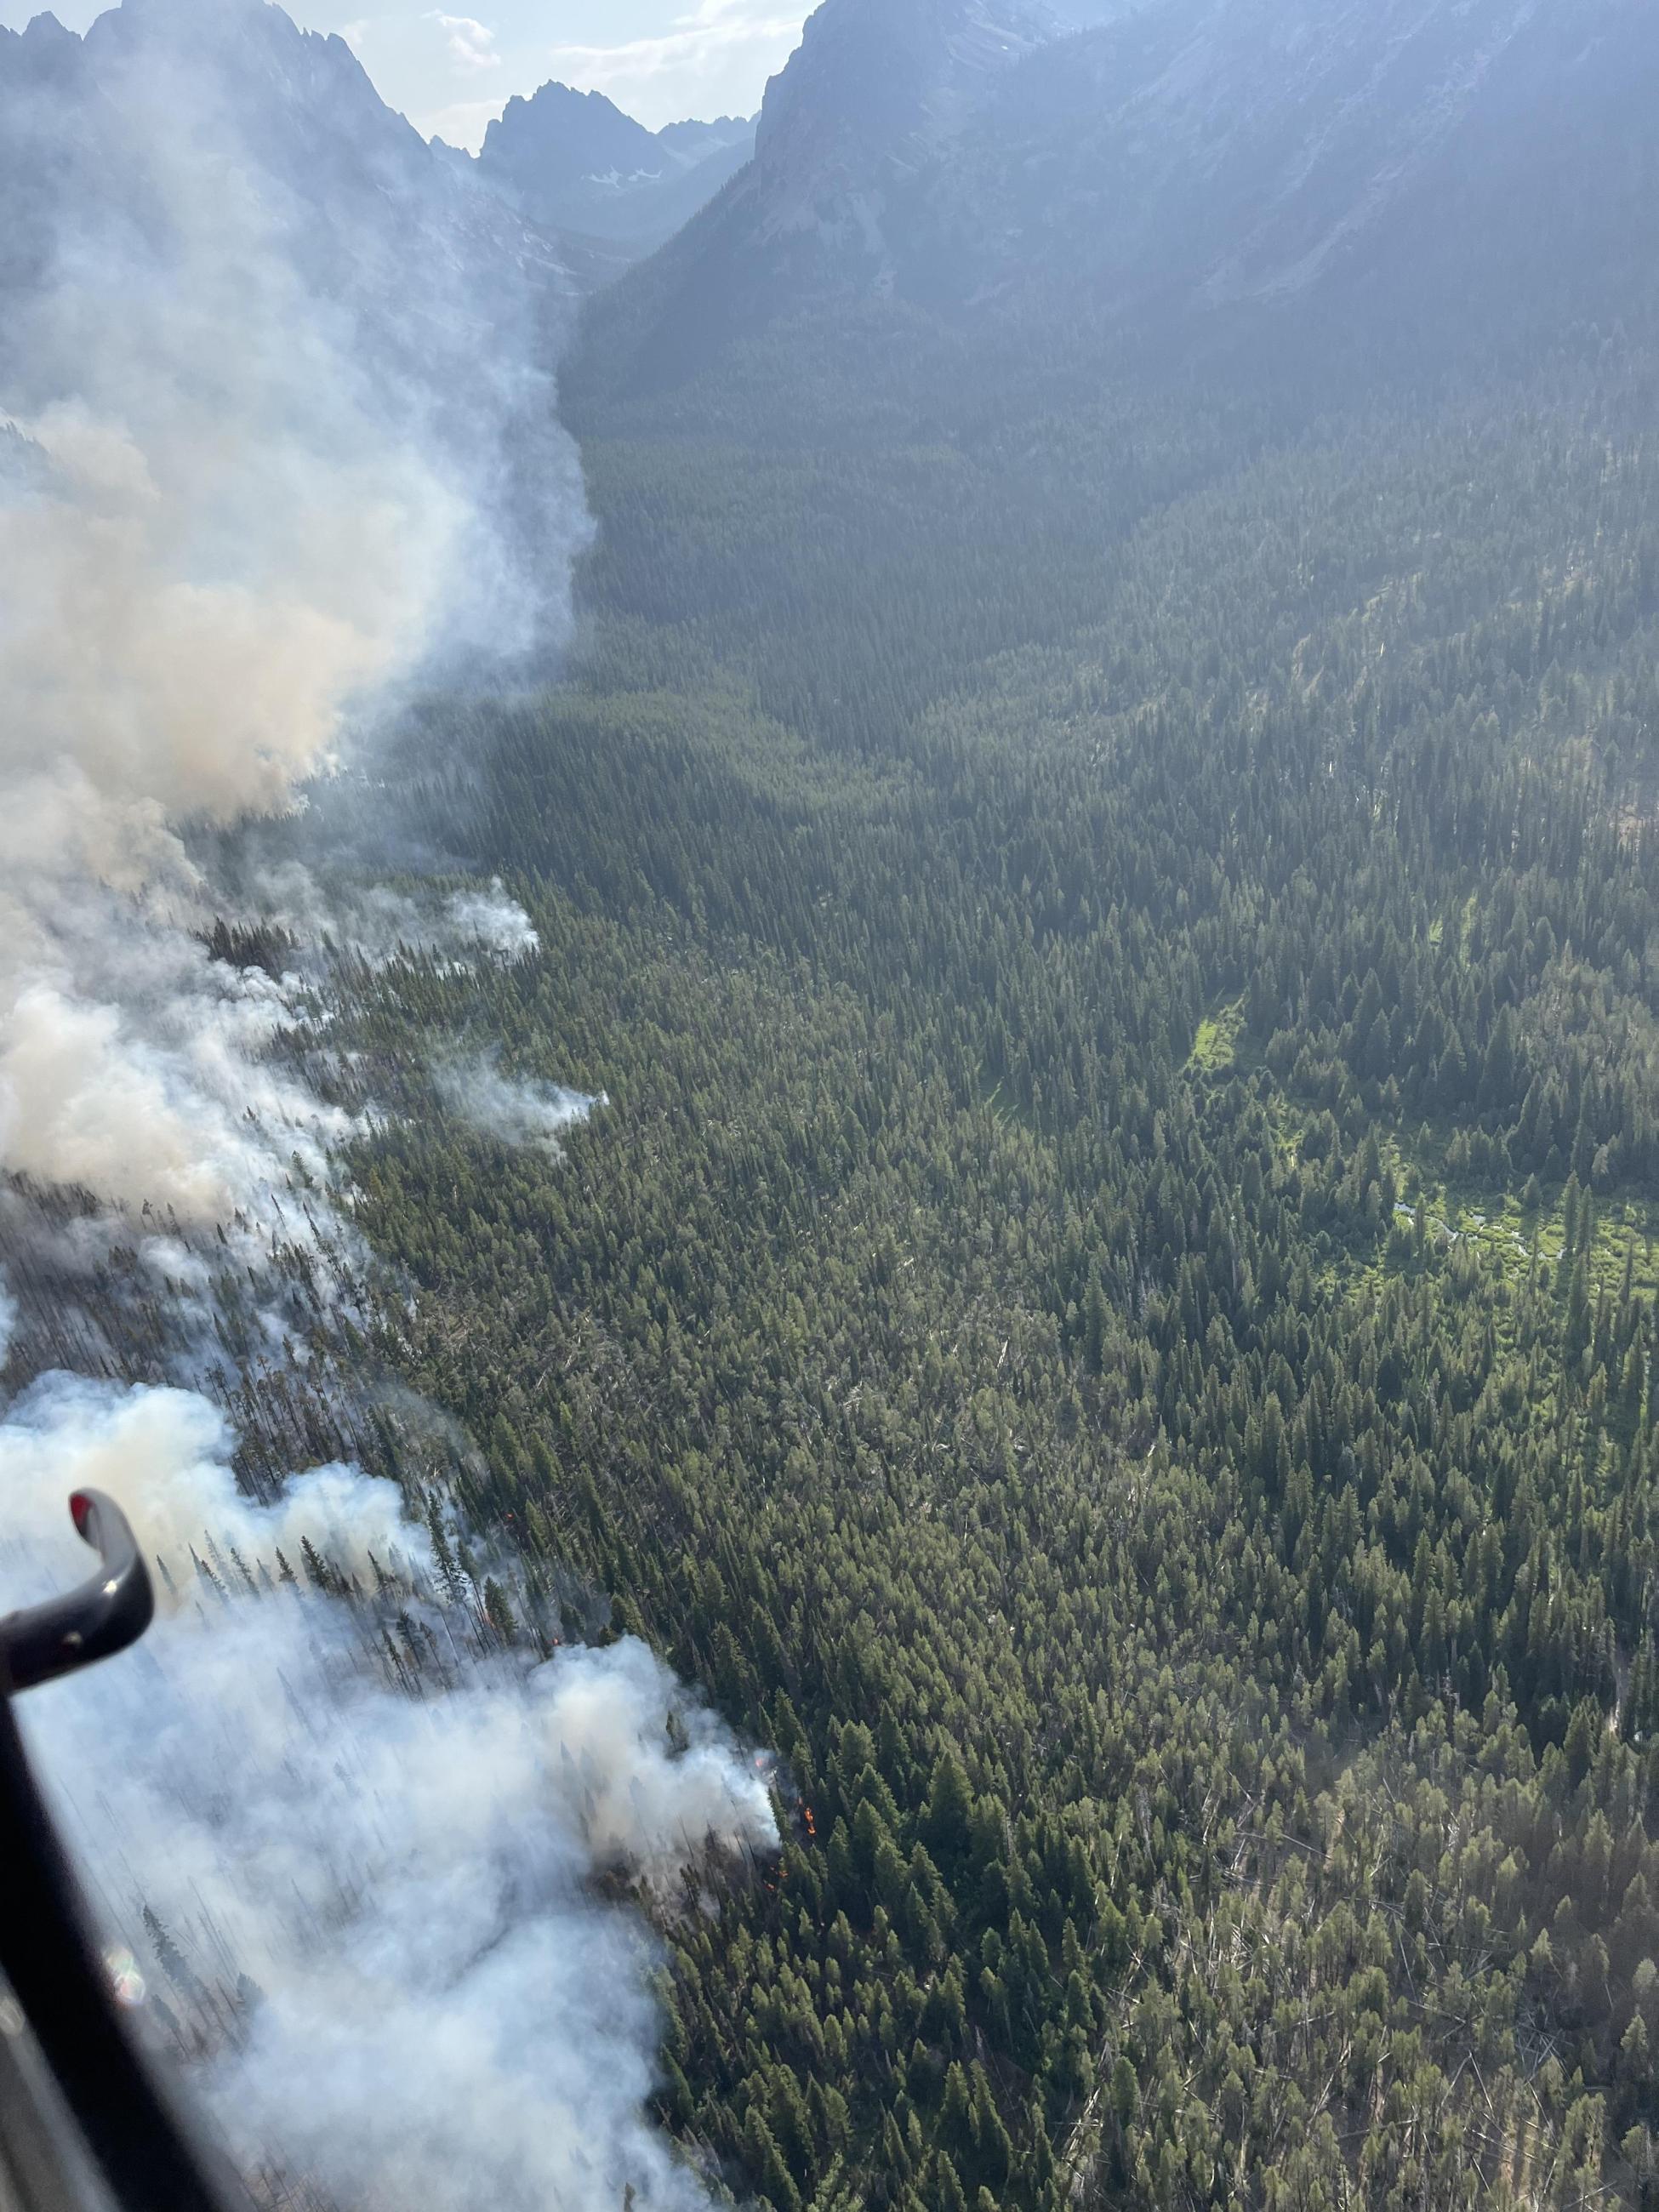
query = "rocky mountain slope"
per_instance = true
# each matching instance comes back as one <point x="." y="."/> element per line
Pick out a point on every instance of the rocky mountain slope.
<point x="1178" y="164"/>
<point x="873" y="100"/>
<point x="1215" y="151"/>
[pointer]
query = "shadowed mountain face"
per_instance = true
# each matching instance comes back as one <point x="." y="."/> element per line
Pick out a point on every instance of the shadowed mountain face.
<point x="1205" y="154"/>
<point x="873" y="101"/>
<point x="875" y="91"/>
<point x="1180" y="165"/>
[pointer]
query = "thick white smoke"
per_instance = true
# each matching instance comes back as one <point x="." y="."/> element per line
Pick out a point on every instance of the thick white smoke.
<point x="165" y="1456"/>
<point x="365" y="1901"/>
<point x="491" y="919"/>
<point x="149" y="674"/>
<point x="135" y="1068"/>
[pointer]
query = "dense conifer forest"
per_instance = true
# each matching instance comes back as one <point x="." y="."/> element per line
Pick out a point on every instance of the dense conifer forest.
<point x="1081" y="923"/>
<point x="1108" y="1314"/>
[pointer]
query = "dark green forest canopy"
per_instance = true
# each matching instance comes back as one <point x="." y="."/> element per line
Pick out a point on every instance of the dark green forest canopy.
<point x="1110" y="1315"/>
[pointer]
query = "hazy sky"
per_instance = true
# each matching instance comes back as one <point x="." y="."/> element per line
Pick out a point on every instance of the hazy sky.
<point x="660" y="59"/>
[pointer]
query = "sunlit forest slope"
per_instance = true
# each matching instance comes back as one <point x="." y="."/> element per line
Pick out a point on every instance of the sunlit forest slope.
<point x="1109" y="1314"/>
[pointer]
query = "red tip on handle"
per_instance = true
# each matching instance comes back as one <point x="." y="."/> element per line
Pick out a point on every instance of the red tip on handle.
<point x="81" y="1510"/>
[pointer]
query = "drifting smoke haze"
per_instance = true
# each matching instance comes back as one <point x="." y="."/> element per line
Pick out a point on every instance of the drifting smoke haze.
<point x="276" y="443"/>
<point x="515" y="1112"/>
<point x="379" y="924"/>
<point x="362" y="1895"/>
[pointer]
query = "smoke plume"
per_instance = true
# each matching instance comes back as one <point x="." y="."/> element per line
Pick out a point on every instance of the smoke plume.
<point x="277" y="444"/>
<point x="358" y="1888"/>
<point x="513" y="1111"/>
<point x="496" y="921"/>
<point x="379" y="924"/>
<point x="278" y="438"/>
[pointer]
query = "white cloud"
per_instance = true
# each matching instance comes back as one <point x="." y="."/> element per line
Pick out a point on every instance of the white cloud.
<point x="472" y="43"/>
<point x="699" y="63"/>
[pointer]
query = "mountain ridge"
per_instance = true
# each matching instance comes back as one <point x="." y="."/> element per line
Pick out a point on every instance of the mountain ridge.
<point x="1171" y="168"/>
<point x="576" y="164"/>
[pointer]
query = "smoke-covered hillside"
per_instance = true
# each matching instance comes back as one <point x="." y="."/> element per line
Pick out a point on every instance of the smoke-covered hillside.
<point x="367" y="1821"/>
<point x="285" y="384"/>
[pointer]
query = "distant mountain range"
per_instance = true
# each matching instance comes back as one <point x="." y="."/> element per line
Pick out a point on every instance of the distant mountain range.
<point x="575" y="164"/>
<point x="575" y="186"/>
<point x="1173" y="169"/>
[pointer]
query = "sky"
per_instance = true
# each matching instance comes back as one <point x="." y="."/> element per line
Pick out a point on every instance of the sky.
<point x="661" y="60"/>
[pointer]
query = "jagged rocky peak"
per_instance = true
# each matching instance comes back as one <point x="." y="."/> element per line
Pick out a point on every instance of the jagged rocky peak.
<point x="41" y="49"/>
<point x="42" y="33"/>
<point x="558" y="136"/>
<point x="261" y="62"/>
<point x="610" y="188"/>
<point x="889" y="81"/>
